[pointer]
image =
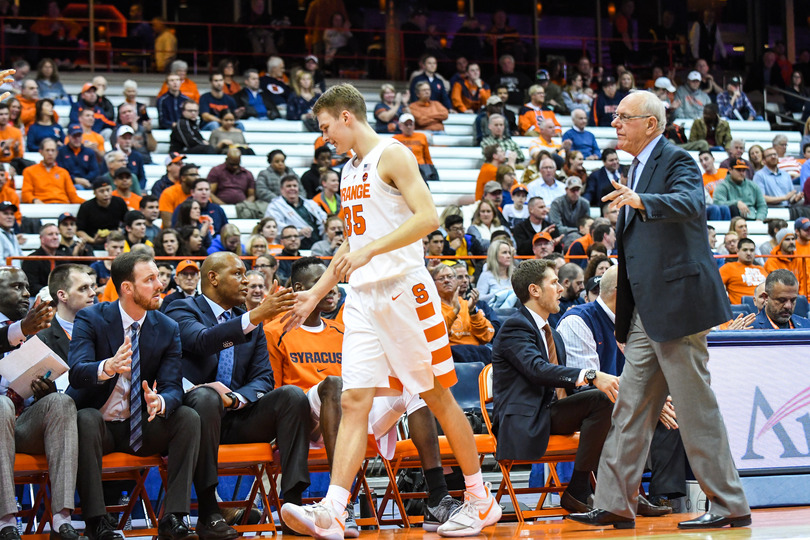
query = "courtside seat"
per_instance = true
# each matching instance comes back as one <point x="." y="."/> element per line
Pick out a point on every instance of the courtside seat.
<point x="32" y="470"/>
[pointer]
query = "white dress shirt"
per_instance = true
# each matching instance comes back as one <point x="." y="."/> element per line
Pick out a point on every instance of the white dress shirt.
<point x="580" y="346"/>
<point x="541" y="322"/>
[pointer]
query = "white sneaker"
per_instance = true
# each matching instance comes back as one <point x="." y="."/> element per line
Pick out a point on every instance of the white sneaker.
<point x="472" y="516"/>
<point x="317" y="520"/>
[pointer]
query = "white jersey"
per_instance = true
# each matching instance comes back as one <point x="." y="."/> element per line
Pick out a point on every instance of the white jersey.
<point x="372" y="209"/>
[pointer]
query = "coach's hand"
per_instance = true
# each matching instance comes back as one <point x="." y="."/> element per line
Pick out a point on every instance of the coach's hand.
<point x="349" y="262"/>
<point x="121" y="362"/>
<point x="667" y="416"/>
<point x="38" y="318"/>
<point x="623" y="196"/>
<point x="607" y="383"/>
<point x="305" y="302"/>
<point x="273" y="304"/>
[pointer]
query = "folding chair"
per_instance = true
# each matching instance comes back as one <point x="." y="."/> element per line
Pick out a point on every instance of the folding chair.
<point x="32" y="470"/>
<point x="561" y="448"/>
<point x="122" y="466"/>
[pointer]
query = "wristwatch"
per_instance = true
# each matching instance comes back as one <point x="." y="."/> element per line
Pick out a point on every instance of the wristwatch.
<point x="590" y="376"/>
<point x="234" y="400"/>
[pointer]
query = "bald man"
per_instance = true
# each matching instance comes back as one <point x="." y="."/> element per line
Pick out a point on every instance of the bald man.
<point x="230" y="182"/>
<point x="224" y="344"/>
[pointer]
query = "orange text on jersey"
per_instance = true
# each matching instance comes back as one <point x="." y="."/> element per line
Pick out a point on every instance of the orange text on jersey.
<point x="354" y="193"/>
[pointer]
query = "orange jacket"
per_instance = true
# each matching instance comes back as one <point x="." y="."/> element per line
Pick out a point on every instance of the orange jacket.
<point x="9" y="194"/>
<point x="188" y="88"/>
<point x="466" y="329"/>
<point x="530" y="118"/>
<point x="49" y="186"/>
<point x="466" y="96"/>
<point x="486" y="174"/>
<point x="13" y="145"/>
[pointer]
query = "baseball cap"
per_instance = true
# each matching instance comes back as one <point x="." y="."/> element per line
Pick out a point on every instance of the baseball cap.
<point x="542" y="75"/>
<point x="783" y="233"/>
<point x="802" y="223"/>
<point x="5" y="205"/>
<point x="100" y="182"/>
<point x="88" y="86"/>
<point x="542" y="236"/>
<point x="492" y="186"/>
<point x="608" y="80"/>
<point x="593" y="284"/>
<point x="121" y="172"/>
<point x="572" y="182"/>
<point x="406" y="117"/>
<point x="740" y="164"/>
<point x="310" y="57"/>
<point x="665" y="83"/>
<point x="173" y="157"/>
<point x="187" y="264"/>
<point x="132" y="216"/>
<point x="694" y="76"/>
<point x="519" y="187"/>
<point x="73" y="129"/>
<point x="494" y="100"/>
<point x="123" y="130"/>
<point x="735" y="80"/>
<point x="65" y="216"/>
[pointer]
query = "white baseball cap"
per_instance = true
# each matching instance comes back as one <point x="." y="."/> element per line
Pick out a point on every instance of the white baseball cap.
<point x="665" y="83"/>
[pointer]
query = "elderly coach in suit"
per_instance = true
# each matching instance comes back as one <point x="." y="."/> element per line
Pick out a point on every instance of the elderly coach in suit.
<point x="663" y="254"/>
<point x="221" y="342"/>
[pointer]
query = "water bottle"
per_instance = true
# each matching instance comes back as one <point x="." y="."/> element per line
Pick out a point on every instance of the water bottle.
<point x="19" y="519"/>
<point x="124" y="502"/>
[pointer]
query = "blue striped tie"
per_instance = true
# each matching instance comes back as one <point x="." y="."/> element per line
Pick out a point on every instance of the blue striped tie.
<point x="225" y="366"/>
<point x="135" y="415"/>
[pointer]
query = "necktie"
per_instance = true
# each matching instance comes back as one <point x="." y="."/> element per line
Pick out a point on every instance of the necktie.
<point x="135" y="406"/>
<point x="631" y="183"/>
<point x="552" y="356"/>
<point x="225" y="366"/>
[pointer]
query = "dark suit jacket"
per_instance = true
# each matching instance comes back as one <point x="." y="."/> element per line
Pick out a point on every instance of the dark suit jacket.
<point x="173" y="297"/>
<point x="97" y="335"/>
<point x="523" y="386"/>
<point x="203" y="339"/>
<point x="598" y="186"/>
<point x="762" y="322"/>
<point x="524" y="232"/>
<point x="666" y="269"/>
<point x="56" y="338"/>
<point x="242" y="100"/>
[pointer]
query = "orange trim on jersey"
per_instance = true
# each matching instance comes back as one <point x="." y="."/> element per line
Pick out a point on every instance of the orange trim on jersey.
<point x="448" y="379"/>
<point x="395" y="384"/>
<point x="441" y="355"/>
<point x="425" y="312"/>
<point x="435" y="332"/>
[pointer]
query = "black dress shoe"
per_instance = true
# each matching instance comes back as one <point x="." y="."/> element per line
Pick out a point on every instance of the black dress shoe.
<point x="102" y="528"/>
<point x="172" y="527"/>
<point x="647" y="509"/>
<point x="713" y="521"/>
<point x="215" y="528"/>
<point x="602" y="518"/>
<point x="574" y="505"/>
<point x="66" y="532"/>
<point x="9" y="533"/>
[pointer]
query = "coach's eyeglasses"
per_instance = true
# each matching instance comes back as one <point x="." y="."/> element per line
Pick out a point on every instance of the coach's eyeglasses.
<point x="624" y="118"/>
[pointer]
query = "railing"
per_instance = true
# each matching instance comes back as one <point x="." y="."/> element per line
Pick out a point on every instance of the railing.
<point x="786" y="117"/>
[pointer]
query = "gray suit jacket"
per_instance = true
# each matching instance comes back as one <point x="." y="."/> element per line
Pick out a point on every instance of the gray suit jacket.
<point x="666" y="269"/>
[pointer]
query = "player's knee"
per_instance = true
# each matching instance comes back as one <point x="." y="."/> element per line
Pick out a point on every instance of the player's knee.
<point x="330" y="388"/>
<point x="357" y="401"/>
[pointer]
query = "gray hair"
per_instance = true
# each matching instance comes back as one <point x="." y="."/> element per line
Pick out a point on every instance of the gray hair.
<point x="783" y="276"/>
<point x="177" y="65"/>
<point x="274" y="61"/>
<point x="495" y="117"/>
<point x="651" y="105"/>
<point x="779" y="139"/>
<point x="113" y="155"/>
<point x="129" y="83"/>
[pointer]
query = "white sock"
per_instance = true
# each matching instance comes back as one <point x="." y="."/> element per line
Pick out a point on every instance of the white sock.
<point x="475" y="485"/>
<point x="338" y="498"/>
<point x="60" y="518"/>
<point x="8" y="520"/>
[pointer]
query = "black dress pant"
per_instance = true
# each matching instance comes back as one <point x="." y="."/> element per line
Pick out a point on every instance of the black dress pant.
<point x="589" y="413"/>
<point x="667" y="463"/>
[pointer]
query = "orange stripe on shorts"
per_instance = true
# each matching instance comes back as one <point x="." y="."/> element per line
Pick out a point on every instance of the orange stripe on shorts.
<point x="435" y="332"/>
<point x="441" y="355"/>
<point x="425" y="312"/>
<point x="395" y="384"/>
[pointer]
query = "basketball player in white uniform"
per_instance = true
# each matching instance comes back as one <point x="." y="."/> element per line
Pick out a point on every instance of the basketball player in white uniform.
<point x="395" y="336"/>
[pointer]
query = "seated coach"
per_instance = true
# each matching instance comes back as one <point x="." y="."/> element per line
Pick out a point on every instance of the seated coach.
<point x="781" y="292"/>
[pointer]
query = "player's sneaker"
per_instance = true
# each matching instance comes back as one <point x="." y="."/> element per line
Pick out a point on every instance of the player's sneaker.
<point x="472" y="516"/>
<point x="317" y="520"/>
<point x="352" y="530"/>
<point x="436" y="515"/>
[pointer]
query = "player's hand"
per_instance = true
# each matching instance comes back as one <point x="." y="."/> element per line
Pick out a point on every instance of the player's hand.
<point x="743" y="322"/>
<point x="122" y="361"/>
<point x="351" y="261"/>
<point x="305" y="302"/>
<point x="38" y="318"/>
<point x="41" y="387"/>
<point x="607" y="383"/>
<point x="667" y="416"/>
<point x="273" y="304"/>
<point x="623" y="196"/>
<point x="152" y="399"/>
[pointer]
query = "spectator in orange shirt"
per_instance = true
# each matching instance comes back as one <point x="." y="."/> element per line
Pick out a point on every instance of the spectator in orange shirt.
<point x="9" y="194"/>
<point x="28" y="97"/>
<point x="534" y="111"/>
<point x="741" y="277"/>
<point x="91" y="139"/>
<point x="418" y="144"/>
<point x="46" y="182"/>
<point x="494" y="157"/>
<point x="470" y="94"/>
<point x="786" y="247"/>
<point x="11" y="141"/>
<point x="187" y="87"/>
<point x="711" y="175"/>
<point x="466" y="324"/>
<point x="428" y="115"/>
<point x="122" y="178"/>
<point x="174" y="195"/>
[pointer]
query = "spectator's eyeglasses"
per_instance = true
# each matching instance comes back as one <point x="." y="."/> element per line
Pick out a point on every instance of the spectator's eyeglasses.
<point x="624" y="118"/>
<point x="444" y="278"/>
<point x="456" y="229"/>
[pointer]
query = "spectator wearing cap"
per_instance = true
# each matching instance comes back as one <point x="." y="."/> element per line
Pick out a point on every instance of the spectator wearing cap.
<point x="417" y="143"/>
<point x="230" y="182"/>
<point x="592" y="289"/>
<point x="173" y="163"/>
<point x="9" y="243"/>
<point x="186" y="136"/>
<point x="169" y="105"/>
<point x="46" y="182"/>
<point x="605" y="104"/>
<point x="733" y="104"/>
<point x="711" y="128"/>
<point x="495" y="105"/>
<point x="582" y="140"/>
<point x="664" y="89"/>
<point x="547" y="186"/>
<point x="517" y="210"/>
<point x="735" y="150"/>
<point x="125" y="136"/>
<point x="781" y="293"/>
<point x="554" y="93"/>
<point x="470" y="94"/>
<point x="428" y="114"/>
<point x="122" y="180"/>
<point x="77" y="159"/>
<point x="691" y="97"/>
<point x="567" y="210"/>
<point x="784" y="252"/>
<point x="69" y="240"/>
<point x="135" y="229"/>
<point x="499" y="135"/>
<point x="100" y="215"/>
<point x="49" y="246"/>
<point x="115" y="160"/>
<point x="88" y="99"/>
<point x="142" y="140"/>
<point x="493" y="192"/>
<point x="743" y="196"/>
<point x="533" y="113"/>
<point x="776" y="185"/>
<point x="187" y="277"/>
<point x="542" y="245"/>
<point x="311" y="64"/>
<point x="214" y="103"/>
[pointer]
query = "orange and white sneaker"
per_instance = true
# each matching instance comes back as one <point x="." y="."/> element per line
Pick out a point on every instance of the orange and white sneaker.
<point x="472" y="516"/>
<point x="317" y="520"/>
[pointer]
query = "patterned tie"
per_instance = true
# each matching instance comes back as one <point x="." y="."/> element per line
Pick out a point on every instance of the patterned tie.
<point x="225" y="366"/>
<point x="631" y="183"/>
<point x="135" y="405"/>
<point x="552" y="356"/>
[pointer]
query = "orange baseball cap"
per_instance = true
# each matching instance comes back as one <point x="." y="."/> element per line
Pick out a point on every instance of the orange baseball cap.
<point x="519" y="187"/>
<point x="187" y="264"/>
<point x="542" y="236"/>
<point x="87" y="86"/>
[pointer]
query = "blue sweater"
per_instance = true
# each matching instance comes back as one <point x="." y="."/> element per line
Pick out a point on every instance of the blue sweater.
<point x="37" y="133"/>
<point x="81" y="165"/>
<point x="584" y="142"/>
<point x="611" y="359"/>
